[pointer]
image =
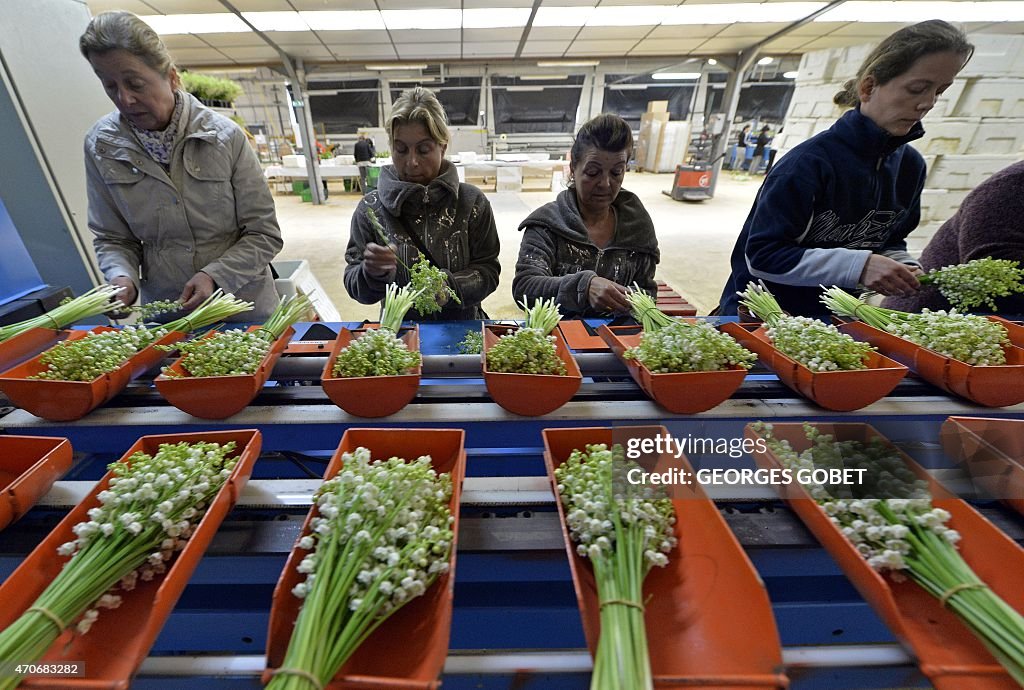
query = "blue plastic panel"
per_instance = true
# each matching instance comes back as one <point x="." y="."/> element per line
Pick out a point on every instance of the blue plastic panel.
<point x="18" y="275"/>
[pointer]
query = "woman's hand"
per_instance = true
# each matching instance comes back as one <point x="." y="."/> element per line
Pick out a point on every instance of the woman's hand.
<point x="607" y="296"/>
<point x="890" y="277"/>
<point x="128" y="293"/>
<point x="196" y="290"/>
<point x="380" y="262"/>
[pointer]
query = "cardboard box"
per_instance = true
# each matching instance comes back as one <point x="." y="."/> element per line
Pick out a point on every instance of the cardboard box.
<point x="657" y="106"/>
<point x="652" y="126"/>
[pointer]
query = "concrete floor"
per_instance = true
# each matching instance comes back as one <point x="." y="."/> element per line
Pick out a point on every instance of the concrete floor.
<point x="695" y="238"/>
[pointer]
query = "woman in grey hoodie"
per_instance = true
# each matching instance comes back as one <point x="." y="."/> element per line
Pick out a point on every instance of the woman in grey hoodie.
<point x="421" y="203"/>
<point x="595" y="240"/>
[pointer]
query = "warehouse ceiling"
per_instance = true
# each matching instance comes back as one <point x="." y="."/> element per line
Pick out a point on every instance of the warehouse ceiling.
<point x="206" y="33"/>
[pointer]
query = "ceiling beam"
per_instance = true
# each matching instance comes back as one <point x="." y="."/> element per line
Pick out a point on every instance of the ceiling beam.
<point x="305" y="122"/>
<point x="527" y="28"/>
<point x="285" y="57"/>
<point x="751" y="52"/>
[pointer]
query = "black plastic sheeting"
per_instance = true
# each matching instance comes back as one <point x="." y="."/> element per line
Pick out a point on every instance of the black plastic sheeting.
<point x="632" y="103"/>
<point x="460" y="97"/>
<point x="345" y="112"/>
<point x="757" y="101"/>
<point x="552" y="109"/>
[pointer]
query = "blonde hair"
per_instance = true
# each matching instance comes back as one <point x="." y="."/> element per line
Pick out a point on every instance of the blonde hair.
<point x="898" y="53"/>
<point x="120" y="30"/>
<point x="419" y="105"/>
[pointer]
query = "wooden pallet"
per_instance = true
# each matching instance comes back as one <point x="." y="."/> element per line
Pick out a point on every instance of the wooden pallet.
<point x="671" y="302"/>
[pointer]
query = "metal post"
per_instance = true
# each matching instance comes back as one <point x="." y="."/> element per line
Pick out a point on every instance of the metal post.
<point x="730" y="101"/>
<point x="306" y="133"/>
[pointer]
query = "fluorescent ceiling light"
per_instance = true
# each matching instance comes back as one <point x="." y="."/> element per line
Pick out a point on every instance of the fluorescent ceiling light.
<point x="730" y="13"/>
<point x="354" y="20"/>
<point x="568" y="63"/>
<point x="637" y="15"/>
<point x="766" y="60"/>
<point x="628" y="87"/>
<point x="495" y="17"/>
<point x="215" y="23"/>
<point x="276" y="21"/>
<point x="394" y="66"/>
<point x="562" y="16"/>
<point x="413" y="80"/>
<point x="676" y="75"/>
<point x="422" y="19"/>
<point x="539" y="77"/>
<point x="912" y="11"/>
<point x="522" y="88"/>
<point x="790" y="75"/>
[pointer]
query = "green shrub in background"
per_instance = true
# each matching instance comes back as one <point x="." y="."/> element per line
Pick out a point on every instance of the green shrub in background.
<point x="207" y="87"/>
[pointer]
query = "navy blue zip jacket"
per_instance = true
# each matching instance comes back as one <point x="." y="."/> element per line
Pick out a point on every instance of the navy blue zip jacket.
<point x="825" y="207"/>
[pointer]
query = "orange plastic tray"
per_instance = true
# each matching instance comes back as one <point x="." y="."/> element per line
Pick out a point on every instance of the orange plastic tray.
<point x="530" y="395"/>
<point x="834" y="390"/>
<point x="947" y="652"/>
<point x="61" y="401"/>
<point x="578" y="338"/>
<point x="682" y="393"/>
<point x="219" y="397"/>
<point x="992" y="450"/>
<point x="991" y="386"/>
<point x="121" y="638"/>
<point x="28" y="344"/>
<point x="371" y="396"/>
<point x="408" y="650"/>
<point x="29" y="465"/>
<point x="695" y="601"/>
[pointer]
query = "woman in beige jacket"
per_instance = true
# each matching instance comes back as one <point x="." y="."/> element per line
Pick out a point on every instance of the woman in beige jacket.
<point x="177" y="200"/>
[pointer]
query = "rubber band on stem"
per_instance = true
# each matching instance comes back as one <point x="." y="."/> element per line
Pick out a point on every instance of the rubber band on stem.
<point x="622" y="602"/>
<point x="857" y="309"/>
<point x="953" y="591"/>
<point x="50" y="616"/>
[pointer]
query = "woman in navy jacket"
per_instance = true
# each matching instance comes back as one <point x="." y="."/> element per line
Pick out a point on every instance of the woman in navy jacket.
<point x="836" y="210"/>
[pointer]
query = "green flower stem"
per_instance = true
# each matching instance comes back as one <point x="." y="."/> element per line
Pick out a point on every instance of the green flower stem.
<point x="375" y="222"/>
<point x="214" y="308"/>
<point x="397" y="302"/>
<point x="925" y="550"/>
<point x="645" y="310"/>
<point x="331" y="623"/>
<point x="543" y="315"/>
<point x="99" y="300"/>
<point x="103" y="561"/>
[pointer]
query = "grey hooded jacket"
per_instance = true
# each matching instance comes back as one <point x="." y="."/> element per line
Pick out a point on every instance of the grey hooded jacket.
<point x="213" y="212"/>
<point x="452" y="219"/>
<point x="558" y="260"/>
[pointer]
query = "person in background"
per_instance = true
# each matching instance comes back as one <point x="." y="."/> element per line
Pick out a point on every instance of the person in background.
<point x="771" y="155"/>
<point x="364" y="154"/>
<point x="989" y="223"/>
<point x="178" y="204"/>
<point x="421" y="203"/>
<point x="741" y="148"/>
<point x="759" y="147"/>
<point x="585" y="248"/>
<point x="837" y="208"/>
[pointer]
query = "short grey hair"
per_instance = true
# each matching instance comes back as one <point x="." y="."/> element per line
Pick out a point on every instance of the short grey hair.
<point x="120" y="30"/>
<point x="419" y="105"/>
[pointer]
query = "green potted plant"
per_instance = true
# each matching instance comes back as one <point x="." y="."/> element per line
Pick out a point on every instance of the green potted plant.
<point x="216" y="92"/>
